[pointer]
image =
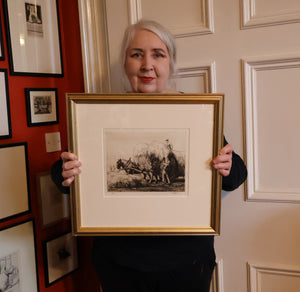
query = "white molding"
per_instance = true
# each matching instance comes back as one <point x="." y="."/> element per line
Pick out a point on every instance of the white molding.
<point x="208" y="71"/>
<point x="249" y="19"/>
<point x="92" y="17"/>
<point x="135" y="14"/>
<point x="249" y="67"/>
<point x="135" y="11"/>
<point x="217" y="284"/>
<point x="257" y="271"/>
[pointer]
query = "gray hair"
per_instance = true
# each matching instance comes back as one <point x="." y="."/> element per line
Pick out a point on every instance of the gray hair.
<point x="155" y="27"/>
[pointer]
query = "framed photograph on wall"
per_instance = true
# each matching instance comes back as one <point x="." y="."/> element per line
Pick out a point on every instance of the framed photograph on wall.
<point x="5" y="121"/>
<point x="1" y="42"/>
<point x="53" y="205"/>
<point x="18" y="264"/>
<point x="14" y="195"/>
<point x="41" y="106"/>
<point x="60" y="257"/>
<point x="33" y="37"/>
<point x="147" y="158"/>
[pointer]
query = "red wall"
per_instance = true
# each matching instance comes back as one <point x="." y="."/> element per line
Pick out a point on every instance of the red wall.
<point x="83" y="279"/>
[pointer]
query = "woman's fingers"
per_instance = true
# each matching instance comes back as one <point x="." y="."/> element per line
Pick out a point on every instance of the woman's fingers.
<point x="70" y="167"/>
<point x="223" y="161"/>
<point x="71" y="172"/>
<point x="66" y="156"/>
<point x="67" y="182"/>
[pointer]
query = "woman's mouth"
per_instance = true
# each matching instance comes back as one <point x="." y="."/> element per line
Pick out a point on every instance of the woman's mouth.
<point x="146" y="79"/>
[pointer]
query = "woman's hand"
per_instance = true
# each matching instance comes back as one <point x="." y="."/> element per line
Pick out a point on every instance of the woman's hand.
<point x="70" y="167"/>
<point x="223" y="161"/>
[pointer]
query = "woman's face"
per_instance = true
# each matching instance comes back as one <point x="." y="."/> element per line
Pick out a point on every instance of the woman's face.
<point x="147" y="63"/>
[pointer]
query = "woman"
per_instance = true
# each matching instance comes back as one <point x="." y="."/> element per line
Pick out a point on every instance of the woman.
<point x="153" y="263"/>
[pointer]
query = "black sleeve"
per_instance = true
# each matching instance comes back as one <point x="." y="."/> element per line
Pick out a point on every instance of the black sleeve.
<point x="57" y="178"/>
<point x="238" y="173"/>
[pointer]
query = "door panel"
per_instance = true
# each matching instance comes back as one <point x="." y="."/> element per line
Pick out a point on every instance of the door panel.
<point x="196" y="20"/>
<point x="250" y="51"/>
<point x="271" y="108"/>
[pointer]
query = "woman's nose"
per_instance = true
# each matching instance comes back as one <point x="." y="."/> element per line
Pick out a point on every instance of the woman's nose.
<point x="147" y="64"/>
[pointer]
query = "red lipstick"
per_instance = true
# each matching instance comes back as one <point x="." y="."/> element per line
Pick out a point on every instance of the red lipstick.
<point x="146" y="79"/>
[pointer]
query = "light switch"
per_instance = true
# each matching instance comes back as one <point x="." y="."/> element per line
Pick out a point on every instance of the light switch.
<point x="53" y="142"/>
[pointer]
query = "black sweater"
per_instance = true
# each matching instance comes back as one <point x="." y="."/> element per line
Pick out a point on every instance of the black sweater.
<point x="155" y="253"/>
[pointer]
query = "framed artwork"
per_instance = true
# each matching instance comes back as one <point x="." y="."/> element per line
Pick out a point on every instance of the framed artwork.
<point x="33" y="37"/>
<point x="18" y="267"/>
<point x="14" y="196"/>
<point x="53" y="205"/>
<point x="1" y="43"/>
<point x="60" y="257"/>
<point x="42" y="106"/>
<point x="147" y="158"/>
<point x="5" y="121"/>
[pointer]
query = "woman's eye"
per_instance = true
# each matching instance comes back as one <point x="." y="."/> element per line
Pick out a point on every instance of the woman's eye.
<point x="136" y="55"/>
<point x="159" y="55"/>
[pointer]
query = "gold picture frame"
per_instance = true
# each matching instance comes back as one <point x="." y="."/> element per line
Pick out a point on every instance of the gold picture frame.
<point x="146" y="163"/>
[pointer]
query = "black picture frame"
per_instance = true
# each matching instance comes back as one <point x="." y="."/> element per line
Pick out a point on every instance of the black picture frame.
<point x="14" y="163"/>
<point x="18" y="250"/>
<point x="41" y="106"/>
<point x="61" y="257"/>
<point x="34" y="41"/>
<point x="2" y="54"/>
<point x="5" y="118"/>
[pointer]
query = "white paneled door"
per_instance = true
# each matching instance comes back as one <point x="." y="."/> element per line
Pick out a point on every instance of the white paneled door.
<point x="250" y="51"/>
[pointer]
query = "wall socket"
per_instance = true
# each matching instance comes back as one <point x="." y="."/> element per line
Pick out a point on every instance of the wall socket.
<point x="52" y="142"/>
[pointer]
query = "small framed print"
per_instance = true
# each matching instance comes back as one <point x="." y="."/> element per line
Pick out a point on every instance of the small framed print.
<point x="42" y="106"/>
<point x="5" y="121"/>
<point x="18" y="266"/>
<point x="60" y="257"/>
<point x="33" y="37"/>
<point x="53" y="205"/>
<point x="147" y="158"/>
<point x="14" y="196"/>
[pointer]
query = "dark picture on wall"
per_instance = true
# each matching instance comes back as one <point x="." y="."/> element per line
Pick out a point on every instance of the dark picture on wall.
<point x="42" y="106"/>
<point x="150" y="160"/>
<point x="53" y="205"/>
<point x="34" y="20"/>
<point x="9" y="272"/>
<point x="61" y="257"/>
